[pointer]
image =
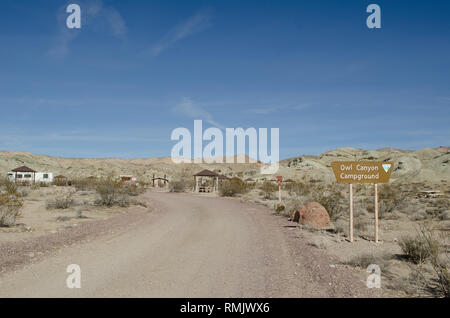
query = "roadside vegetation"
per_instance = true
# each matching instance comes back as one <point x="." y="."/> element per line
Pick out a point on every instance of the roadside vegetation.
<point x="233" y="187"/>
<point x="11" y="203"/>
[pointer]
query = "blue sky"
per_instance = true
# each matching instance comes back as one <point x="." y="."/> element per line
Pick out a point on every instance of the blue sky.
<point x="139" y="69"/>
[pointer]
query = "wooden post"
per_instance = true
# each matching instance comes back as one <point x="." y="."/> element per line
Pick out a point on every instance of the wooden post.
<point x="376" y="212"/>
<point x="351" y="212"/>
<point x="279" y="193"/>
<point x="196" y="183"/>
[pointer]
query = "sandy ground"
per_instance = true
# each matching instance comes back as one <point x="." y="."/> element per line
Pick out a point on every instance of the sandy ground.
<point x="189" y="246"/>
<point x="36" y="220"/>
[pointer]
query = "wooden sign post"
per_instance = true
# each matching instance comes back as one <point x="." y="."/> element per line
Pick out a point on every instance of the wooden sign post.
<point x="362" y="172"/>
<point x="279" y="181"/>
<point x="351" y="212"/>
<point x="376" y="212"/>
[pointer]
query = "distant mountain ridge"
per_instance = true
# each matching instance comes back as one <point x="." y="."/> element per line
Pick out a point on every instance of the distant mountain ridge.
<point x="423" y="165"/>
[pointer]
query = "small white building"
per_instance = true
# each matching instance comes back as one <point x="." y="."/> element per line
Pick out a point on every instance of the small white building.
<point x="27" y="175"/>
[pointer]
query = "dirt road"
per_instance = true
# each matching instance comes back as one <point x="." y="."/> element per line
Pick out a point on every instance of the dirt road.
<point x="190" y="246"/>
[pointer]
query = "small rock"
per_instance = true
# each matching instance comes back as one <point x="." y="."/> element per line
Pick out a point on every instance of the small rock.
<point x="332" y="265"/>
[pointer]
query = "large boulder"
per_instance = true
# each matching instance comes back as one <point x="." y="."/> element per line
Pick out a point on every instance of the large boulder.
<point x="313" y="214"/>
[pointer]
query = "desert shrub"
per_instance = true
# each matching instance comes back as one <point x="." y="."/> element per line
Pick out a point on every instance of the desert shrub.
<point x="364" y="260"/>
<point x="10" y="187"/>
<point x="329" y="197"/>
<point x="340" y="227"/>
<point x="79" y="213"/>
<point x="360" y="224"/>
<point x="178" y="186"/>
<point x="63" y="201"/>
<point x="110" y="192"/>
<point x="426" y="246"/>
<point x="23" y="192"/>
<point x="442" y="280"/>
<point x="123" y="200"/>
<point x="60" y="182"/>
<point x="230" y="188"/>
<point x="83" y="184"/>
<point x="10" y="205"/>
<point x="132" y="189"/>
<point x="279" y="207"/>
<point x="421" y="247"/>
<point x="268" y="188"/>
<point x="390" y="198"/>
<point x="297" y="188"/>
<point x="291" y="204"/>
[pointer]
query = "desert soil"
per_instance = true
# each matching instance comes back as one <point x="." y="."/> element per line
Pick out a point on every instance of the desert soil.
<point x="188" y="246"/>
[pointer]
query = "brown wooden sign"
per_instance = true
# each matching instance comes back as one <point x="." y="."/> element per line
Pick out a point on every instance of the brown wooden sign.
<point x="362" y="171"/>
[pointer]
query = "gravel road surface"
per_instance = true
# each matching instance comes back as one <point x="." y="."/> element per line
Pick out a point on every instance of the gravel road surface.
<point x="189" y="246"/>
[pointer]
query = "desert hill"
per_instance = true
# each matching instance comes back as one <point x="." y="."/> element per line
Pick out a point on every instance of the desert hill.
<point x="425" y="165"/>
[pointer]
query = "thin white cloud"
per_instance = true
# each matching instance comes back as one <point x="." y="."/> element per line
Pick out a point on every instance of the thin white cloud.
<point x="91" y="12"/>
<point x="188" y="108"/>
<point x="266" y="110"/>
<point x="22" y="137"/>
<point x="198" y="22"/>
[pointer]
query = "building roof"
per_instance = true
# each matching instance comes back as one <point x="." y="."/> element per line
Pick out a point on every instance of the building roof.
<point x="249" y="179"/>
<point x="222" y="177"/>
<point x="60" y="177"/>
<point x="206" y="173"/>
<point x="23" y="169"/>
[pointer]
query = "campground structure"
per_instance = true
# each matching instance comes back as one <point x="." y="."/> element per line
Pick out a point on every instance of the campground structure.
<point x="25" y="174"/>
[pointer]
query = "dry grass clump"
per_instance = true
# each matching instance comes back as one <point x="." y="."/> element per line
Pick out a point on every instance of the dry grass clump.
<point x="10" y="203"/>
<point x="231" y="188"/>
